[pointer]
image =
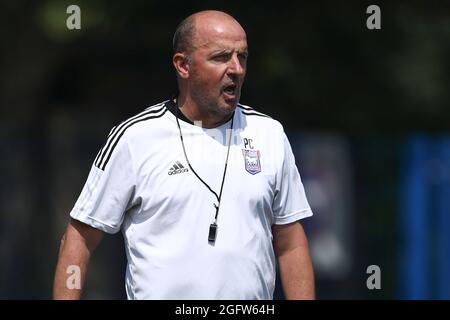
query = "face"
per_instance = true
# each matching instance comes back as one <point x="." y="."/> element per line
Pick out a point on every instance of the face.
<point x="218" y="66"/>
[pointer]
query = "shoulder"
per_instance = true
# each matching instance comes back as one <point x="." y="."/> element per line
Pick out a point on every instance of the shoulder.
<point x="148" y="118"/>
<point x="142" y="124"/>
<point x="253" y="116"/>
<point x="131" y="130"/>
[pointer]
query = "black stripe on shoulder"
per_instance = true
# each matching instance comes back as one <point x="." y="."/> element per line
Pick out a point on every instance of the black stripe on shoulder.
<point x="245" y="107"/>
<point x="98" y="154"/>
<point x="256" y="114"/>
<point x="157" y="105"/>
<point x="251" y="112"/>
<point x="115" y="131"/>
<point x="123" y="131"/>
<point x="103" y="147"/>
<point x="147" y="116"/>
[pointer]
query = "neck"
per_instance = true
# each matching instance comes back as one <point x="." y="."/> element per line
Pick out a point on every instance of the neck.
<point x="193" y="112"/>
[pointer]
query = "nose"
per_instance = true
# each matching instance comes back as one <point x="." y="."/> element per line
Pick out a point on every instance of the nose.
<point x="236" y="66"/>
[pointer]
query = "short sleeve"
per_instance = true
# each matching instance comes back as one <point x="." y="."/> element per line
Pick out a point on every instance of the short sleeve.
<point x="290" y="203"/>
<point x="108" y="191"/>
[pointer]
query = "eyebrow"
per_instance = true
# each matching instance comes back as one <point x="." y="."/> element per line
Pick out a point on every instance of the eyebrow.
<point x="220" y="51"/>
<point x="226" y="51"/>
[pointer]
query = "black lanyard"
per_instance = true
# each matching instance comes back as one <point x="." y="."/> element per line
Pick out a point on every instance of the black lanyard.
<point x="213" y="226"/>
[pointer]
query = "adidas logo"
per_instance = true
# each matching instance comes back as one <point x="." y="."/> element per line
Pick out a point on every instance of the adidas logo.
<point x="177" y="168"/>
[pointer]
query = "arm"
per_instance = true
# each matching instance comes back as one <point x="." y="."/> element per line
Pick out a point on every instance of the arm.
<point x="77" y="245"/>
<point x="296" y="271"/>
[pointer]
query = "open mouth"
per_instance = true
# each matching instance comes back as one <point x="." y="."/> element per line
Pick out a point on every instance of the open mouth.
<point x="230" y="89"/>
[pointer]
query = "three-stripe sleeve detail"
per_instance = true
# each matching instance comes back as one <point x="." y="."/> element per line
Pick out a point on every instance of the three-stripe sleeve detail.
<point x="117" y="132"/>
<point x="251" y="112"/>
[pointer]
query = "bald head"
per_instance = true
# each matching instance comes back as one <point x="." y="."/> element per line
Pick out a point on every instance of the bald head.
<point x="210" y="61"/>
<point x="198" y="26"/>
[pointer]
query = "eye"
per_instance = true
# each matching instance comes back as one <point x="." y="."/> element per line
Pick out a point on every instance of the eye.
<point x="222" y="57"/>
<point x="243" y="56"/>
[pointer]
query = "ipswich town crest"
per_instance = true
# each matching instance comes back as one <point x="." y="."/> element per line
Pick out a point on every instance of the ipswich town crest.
<point x="251" y="159"/>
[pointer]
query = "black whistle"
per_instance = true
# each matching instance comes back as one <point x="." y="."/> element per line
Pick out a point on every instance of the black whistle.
<point x="212" y="232"/>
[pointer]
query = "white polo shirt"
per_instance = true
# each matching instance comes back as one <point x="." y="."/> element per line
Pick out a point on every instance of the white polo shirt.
<point x="140" y="183"/>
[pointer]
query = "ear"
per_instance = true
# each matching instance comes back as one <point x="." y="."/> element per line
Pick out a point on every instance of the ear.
<point x="181" y="64"/>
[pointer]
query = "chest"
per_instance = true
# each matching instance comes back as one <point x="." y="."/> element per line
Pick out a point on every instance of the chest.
<point x="169" y="175"/>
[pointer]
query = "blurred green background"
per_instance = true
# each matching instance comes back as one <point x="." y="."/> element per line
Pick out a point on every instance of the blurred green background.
<point x="354" y="102"/>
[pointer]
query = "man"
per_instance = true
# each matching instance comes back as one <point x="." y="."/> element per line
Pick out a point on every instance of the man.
<point x="204" y="189"/>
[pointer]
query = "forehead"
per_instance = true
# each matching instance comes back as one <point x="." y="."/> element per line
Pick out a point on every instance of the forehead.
<point x="220" y="35"/>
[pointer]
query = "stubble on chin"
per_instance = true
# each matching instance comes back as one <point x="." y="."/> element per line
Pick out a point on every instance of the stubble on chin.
<point x="223" y="108"/>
